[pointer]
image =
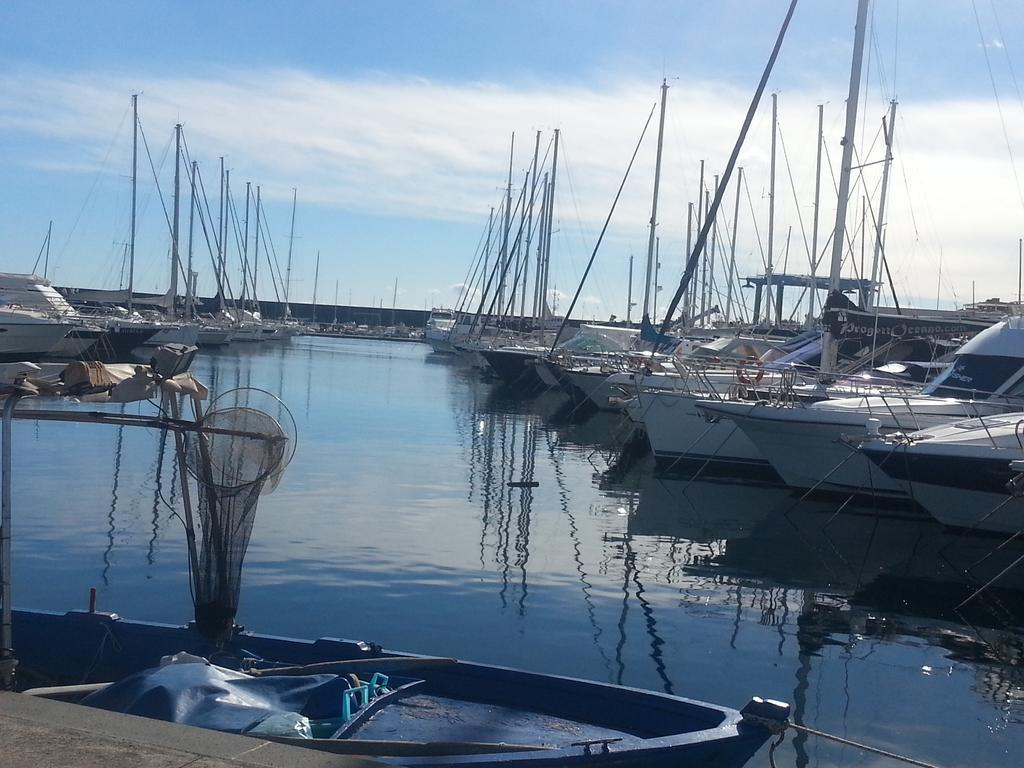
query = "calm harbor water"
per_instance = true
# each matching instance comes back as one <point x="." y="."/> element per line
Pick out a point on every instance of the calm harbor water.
<point x="395" y="523"/>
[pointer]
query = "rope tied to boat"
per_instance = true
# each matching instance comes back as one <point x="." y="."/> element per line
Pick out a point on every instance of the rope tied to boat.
<point x="780" y="727"/>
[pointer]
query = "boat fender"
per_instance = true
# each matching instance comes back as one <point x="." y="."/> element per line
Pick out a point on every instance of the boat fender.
<point x="750" y="373"/>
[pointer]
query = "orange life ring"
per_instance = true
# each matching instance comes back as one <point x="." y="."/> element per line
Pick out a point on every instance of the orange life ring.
<point x="744" y="376"/>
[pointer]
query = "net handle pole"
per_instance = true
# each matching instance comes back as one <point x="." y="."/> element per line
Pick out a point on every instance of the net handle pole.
<point x="186" y="498"/>
<point x="216" y="534"/>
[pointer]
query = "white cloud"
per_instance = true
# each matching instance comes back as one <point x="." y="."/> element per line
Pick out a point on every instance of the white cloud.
<point x="431" y="150"/>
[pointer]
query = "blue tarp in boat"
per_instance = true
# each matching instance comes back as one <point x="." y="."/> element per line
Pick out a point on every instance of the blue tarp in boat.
<point x="209" y="696"/>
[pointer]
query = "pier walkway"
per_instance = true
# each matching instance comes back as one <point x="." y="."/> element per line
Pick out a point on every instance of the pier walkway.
<point x="40" y="733"/>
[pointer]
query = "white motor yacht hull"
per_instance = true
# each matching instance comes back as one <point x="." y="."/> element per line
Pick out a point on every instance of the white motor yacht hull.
<point x="31" y="339"/>
<point x="815" y="447"/>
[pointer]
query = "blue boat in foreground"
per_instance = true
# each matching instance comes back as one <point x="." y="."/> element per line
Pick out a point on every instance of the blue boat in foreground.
<point x="439" y="712"/>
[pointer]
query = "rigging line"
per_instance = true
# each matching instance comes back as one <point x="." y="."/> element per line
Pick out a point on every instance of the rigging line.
<point x="275" y="280"/>
<point x="156" y="177"/>
<point x="796" y="201"/>
<point x="92" y="187"/>
<point x="999" y="106"/>
<point x="753" y="218"/>
<point x="206" y="232"/>
<point x="474" y="265"/>
<point x="702" y="236"/>
<point x="1006" y="53"/>
<point x="604" y="229"/>
<point x="572" y="194"/>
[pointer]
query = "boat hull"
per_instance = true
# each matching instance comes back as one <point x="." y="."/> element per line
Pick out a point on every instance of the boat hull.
<point x="958" y="490"/>
<point x="682" y="438"/>
<point x="656" y="729"/>
<point x="515" y="367"/>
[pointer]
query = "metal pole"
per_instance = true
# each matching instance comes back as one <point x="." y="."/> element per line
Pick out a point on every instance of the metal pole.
<point x="135" y="164"/>
<point x="175" y="224"/>
<point x="694" y="302"/>
<point x="657" y="268"/>
<point x="829" y="351"/>
<point x="288" y="270"/>
<point x="629" y="292"/>
<point x="713" y="258"/>
<point x="880" y="223"/>
<point x="508" y="227"/>
<point x="220" y="240"/>
<point x="245" y="244"/>
<point x="771" y="212"/>
<point x="224" y="235"/>
<point x="654" y="203"/>
<point x="46" y="259"/>
<point x="256" y="252"/>
<point x="704" y="266"/>
<point x="316" y="280"/>
<point x="190" y="296"/>
<point x="551" y="216"/>
<point x="542" y="221"/>
<point x="731" y="276"/>
<point x="529" y="235"/>
<point x="688" y="299"/>
<point x="7" y="662"/>
<point x="814" y="227"/>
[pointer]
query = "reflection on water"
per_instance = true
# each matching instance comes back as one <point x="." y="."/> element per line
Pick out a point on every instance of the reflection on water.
<point x="409" y="517"/>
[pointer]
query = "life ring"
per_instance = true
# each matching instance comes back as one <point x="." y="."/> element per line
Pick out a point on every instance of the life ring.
<point x="750" y="373"/>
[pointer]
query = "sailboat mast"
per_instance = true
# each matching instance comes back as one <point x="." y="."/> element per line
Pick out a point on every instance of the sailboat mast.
<point x="541" y="224"/>
<point x="245" y="245"/>
<point x="288" y="268"/>
<point x="814" y="227"/>
<point x="336" y="282"/>
<point x="700" y="222"/>
<point x="224" y="235"/>
<point x="829" y="352"/>
<point x="175" y="224"/>
<point x="713" y="253"/>
<point x="657" y="268"/>
<point x="687" y="299"/>
<point x="731" y="275"/>
<point x="771" y="214"/>
<point x="654" y="202"/>
<point x="46" y="258"/>
<point x="503" y="264"/>
<point x="316" y="281"/>
<point x="529" y="229"/>
<point x="135" y="169"/>
<point x="629" y="292"/>
<point x="256" y="251"/>
<point x="880" y="223"/>
<point x="220" y="241"/>
<point x="487" y="253"/>
<point x="551" y="220"/>
<point x="189" y="287"/>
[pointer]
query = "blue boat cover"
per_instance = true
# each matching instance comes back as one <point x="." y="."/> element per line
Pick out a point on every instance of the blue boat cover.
<point x="209" y="696"/>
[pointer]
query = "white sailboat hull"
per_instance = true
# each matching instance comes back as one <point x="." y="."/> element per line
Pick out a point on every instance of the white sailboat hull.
<point x="678" y="432"/>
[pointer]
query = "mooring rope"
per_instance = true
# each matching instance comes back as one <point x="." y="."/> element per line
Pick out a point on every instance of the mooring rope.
<point x="857" y="745"/>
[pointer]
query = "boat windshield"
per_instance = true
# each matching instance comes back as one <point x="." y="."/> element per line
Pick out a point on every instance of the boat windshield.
<point x="976" y="376"/>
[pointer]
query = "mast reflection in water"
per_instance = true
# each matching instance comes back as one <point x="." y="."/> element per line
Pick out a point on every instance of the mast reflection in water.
<point x="397" y="523"/>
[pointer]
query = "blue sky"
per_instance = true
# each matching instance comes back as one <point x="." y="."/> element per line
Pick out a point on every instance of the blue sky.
<point x="392" y="120"/>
